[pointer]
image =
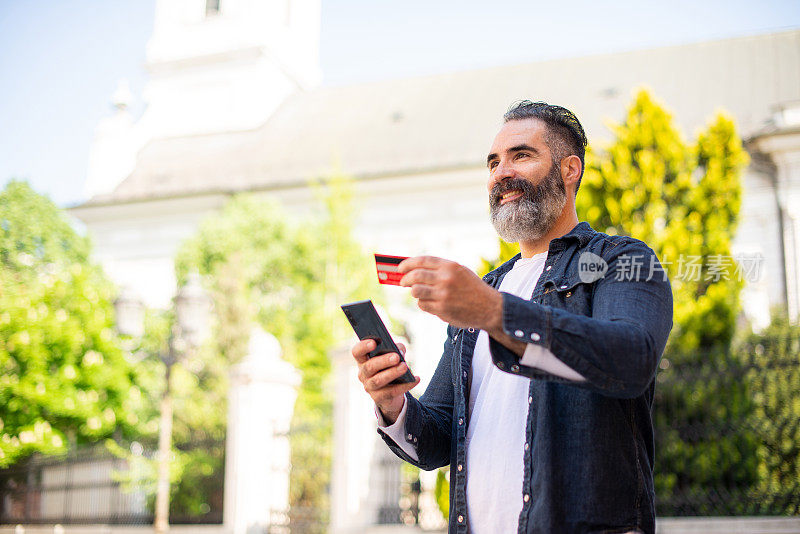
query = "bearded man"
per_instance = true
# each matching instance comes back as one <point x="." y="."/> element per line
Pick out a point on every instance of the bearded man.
<point x="541" y="403"/>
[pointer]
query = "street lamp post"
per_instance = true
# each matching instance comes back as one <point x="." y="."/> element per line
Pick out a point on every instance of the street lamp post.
<point x="192" y="311"/>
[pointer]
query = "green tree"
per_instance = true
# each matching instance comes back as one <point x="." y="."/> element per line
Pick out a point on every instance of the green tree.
<point x="683" y="200"/>
<point x="288" y="275"/>
<point x="64" y="379"/>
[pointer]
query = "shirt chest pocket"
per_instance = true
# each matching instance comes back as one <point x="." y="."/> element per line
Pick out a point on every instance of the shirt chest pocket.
<point x="571" y="294"/>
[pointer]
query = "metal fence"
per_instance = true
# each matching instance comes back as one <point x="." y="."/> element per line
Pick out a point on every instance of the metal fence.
<point x="728" y="430"/>
<point x="394" y="488"/>
<point x="92" y="486"/>
<point x="198" y="497"/>
<point x="79" y="488"/>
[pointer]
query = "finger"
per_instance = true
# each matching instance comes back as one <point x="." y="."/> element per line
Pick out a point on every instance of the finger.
<point x="382" y="378"/>
<point x="402" y="348"/>
<point x="421" y="291"/>
<point x="379" y="363"/>
<point x="362" y="348"/>
<point x="397" y="389"/>
<point x="419" y="262"/>
<point x="419" y="276"/>
<point x="428" y="306"/>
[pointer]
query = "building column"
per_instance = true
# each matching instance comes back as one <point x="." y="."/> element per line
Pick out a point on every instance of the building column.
<point x="261" y="399"/>
<point x="354" y="443"/>
<point x="781" y="143"/>
<point x="365" y="487"/>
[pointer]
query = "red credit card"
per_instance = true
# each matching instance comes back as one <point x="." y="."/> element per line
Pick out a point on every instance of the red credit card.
<point x="387" y="269"/>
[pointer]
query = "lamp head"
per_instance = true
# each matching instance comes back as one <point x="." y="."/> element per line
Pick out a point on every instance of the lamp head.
<point x="193" y="311"/>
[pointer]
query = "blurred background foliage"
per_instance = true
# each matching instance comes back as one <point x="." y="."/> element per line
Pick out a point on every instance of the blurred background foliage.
<point x="64" y="379"/>
<point x="288" y="274"/>
<point x="69" y="379"/>
<point x="772" y="369"/>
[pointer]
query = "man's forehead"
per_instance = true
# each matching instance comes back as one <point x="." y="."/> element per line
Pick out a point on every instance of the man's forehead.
<point x="527" y="131"/>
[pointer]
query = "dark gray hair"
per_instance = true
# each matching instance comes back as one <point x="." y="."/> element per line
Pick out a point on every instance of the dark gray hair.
<point x="565" y="135"/>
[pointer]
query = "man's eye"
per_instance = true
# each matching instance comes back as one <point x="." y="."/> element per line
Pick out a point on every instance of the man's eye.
<point x="521" y="154"/>
<point x="492" y="165"/>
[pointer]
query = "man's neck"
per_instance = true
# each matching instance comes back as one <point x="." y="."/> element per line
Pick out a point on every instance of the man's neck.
<point x="563" y="225"/>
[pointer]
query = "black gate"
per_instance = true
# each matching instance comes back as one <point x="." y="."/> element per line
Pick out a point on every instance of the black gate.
<point x="92" y="486"/>
<point x="78" y="488"/>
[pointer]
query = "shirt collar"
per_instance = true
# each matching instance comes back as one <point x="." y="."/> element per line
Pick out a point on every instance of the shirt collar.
<point x="582" y="232"/>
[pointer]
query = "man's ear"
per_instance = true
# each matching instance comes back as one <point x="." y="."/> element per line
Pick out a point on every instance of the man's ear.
<point x="571" y="168"/>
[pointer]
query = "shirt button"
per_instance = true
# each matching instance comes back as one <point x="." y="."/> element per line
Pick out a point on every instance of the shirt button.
<point x="460" y="420"/>
<point x="415" y="439"/>
<point x="526" y="497"/>
<point x="535" y="336"/>
<point x="460" y="467"/>
<point x="515" y="368"/>
<point x="526" y="448"/>
<point x="410" y="436"/>
<point x="460" y="518"/>
<point x="530" y="400"/>
<point x="465" y="374"/>
<point x="501" y="365"/>
<point x="549" y="267"/>
<point x="519" y="333"/>
<point x="471" y="330"/>
<point x="564" y="286"/>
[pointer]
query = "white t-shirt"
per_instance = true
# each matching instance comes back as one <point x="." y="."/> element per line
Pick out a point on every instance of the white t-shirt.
<point x="498" y="407"/>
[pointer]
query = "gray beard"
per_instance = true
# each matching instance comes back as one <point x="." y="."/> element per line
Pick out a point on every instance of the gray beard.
<point x="533" y="215"/>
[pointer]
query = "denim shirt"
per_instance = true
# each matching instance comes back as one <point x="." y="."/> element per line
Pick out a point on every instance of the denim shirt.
<point x="588" y="463"/>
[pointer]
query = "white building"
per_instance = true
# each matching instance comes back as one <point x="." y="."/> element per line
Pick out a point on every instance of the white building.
<point x="233" y="105"/>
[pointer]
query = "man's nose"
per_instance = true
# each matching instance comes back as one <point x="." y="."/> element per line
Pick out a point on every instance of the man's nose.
<point x="503" y="171"/>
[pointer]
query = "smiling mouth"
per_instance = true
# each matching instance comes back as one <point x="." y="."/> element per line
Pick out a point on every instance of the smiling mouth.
<point x="508" y="196"/>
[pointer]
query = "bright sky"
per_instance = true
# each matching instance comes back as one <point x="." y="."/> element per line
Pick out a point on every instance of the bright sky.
<point x="61" y="60"/>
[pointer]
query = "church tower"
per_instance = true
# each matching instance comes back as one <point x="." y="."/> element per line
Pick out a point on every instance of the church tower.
<point x="225" y="65"/>
<point x="214" y="66"/>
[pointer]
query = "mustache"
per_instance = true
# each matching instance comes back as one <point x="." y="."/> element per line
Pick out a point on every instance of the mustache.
<point x="529" y="191"/>
<point x="550" y="186"/>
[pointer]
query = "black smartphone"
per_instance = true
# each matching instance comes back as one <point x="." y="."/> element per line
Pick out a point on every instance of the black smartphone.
<point x="368" y="325"/>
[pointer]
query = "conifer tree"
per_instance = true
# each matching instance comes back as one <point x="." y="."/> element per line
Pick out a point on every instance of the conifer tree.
<point x="683" y="200"/>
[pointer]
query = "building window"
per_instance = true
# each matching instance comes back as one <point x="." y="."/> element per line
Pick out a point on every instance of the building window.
<point x="212" y="7"/>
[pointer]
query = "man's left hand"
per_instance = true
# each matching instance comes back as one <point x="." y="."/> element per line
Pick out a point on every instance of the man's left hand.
<point x="452" y="292"/>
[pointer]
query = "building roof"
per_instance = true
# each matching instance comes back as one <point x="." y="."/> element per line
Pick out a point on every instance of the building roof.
<point x="448" y="121"/>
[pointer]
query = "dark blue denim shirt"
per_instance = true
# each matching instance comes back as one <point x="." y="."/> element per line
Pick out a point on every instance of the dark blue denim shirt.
<point x="588" y="466"/>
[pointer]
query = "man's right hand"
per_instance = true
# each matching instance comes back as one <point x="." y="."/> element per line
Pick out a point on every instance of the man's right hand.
<point x="377" y="374"/>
